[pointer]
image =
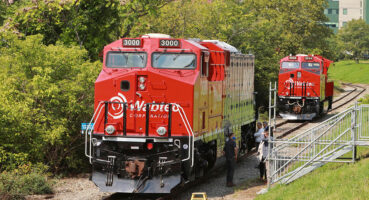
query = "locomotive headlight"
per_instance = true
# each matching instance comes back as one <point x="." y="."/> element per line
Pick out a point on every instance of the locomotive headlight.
<point x="298" y="74"/>
<point x="142" y="86"/>
<point x="110" y="129"/>
<point x="308" y="93"/>
<point x="161" y="131"/>
<point x="142" y="79"/>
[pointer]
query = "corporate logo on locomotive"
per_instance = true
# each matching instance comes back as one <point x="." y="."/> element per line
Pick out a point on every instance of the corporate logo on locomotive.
<point x="116" y="110"/>
<point x="290" y="83"/>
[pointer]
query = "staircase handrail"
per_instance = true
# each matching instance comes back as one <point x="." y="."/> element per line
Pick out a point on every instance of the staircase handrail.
<point x="309" y="145"/>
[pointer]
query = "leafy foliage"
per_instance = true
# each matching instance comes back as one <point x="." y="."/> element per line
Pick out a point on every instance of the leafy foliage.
<point x="48" y="91"/>
<point x="26" y="180"/>
<point x="2" y="11"/>
<point x="364" y="100"/>
<point x="353" y="38"/>
<point x="91" y="24"/>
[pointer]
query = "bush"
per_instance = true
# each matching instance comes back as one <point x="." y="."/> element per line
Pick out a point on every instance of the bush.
<point x="26" y="180"/>
<point x="364" y="100"/>
<point x="45" y="93"/>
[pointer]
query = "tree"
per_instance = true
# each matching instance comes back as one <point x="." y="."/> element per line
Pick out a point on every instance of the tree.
<point x="46" y="92"/>
<point x="91" y="24"/>
<point x="353" y="38"/>
<point x="270" y="29"/>
<point x="2" y="12"/>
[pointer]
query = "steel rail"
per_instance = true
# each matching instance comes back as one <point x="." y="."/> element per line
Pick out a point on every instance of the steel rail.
<point x="351" y="99"/>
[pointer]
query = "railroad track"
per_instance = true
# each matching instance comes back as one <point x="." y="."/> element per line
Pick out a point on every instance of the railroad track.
<point x="342" y="97"/>
<point x="352" y="98"/>
<point x="302" y="124"/>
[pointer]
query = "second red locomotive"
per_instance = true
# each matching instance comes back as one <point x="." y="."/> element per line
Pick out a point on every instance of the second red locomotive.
<point x="304" y="91"/>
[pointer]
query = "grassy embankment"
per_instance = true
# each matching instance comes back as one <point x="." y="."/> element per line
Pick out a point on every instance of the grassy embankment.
<point x="333" y="180"/>
<point x="350" y="72"/>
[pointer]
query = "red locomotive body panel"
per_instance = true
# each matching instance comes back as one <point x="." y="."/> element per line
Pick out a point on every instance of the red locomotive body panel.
<point x="303" y="89"/>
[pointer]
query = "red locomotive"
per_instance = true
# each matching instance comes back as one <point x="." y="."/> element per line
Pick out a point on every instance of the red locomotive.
<point x="163" y="107"/>
<point x="303" y="88"/>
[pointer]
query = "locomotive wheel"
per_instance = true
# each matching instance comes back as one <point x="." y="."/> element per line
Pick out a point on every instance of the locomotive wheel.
<point x="211" y="158"/>
<point x="249" y="140"/>
<point x="321" y="109"/>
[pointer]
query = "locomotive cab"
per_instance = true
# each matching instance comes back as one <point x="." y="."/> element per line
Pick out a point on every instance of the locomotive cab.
<point x="303" y="89"/>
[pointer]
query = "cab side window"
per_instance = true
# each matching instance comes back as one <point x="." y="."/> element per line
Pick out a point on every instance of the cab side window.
<point x="204" y="64"/>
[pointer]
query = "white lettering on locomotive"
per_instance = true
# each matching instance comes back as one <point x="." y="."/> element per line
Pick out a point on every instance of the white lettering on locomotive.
<point x="290" y="83"/>
<point x="116" y="109"/>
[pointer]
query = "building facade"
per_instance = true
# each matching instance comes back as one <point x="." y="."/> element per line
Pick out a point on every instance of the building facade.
<point x="339" y="12"/>
<point x="332" y="14"/>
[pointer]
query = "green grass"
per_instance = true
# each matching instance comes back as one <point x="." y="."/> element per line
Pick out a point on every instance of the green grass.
<point x="332" y="181"/>
<point x="349" y="71"/>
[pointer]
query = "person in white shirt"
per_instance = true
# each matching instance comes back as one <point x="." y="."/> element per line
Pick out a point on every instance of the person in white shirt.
<point x="263" y="154"/>
<point x="259" y="134"/>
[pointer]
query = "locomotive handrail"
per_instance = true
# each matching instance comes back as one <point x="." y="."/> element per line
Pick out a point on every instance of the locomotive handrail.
<point x="190" y="133"/>
<point x="182" y="114"/>
<point x="124" y="118"/>
<point x="298" y="137"/>
<point x="90" y="130"/>
<point x="310" y="144"/>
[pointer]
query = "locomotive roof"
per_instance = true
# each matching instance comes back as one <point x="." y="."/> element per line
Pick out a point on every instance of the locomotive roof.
<point x="224" y="46"/>
<point x="196" y="44"/>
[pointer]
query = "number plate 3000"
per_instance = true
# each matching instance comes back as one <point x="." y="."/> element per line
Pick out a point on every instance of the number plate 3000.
<point x="170" y="43"/>
<point x="132" y="43"/>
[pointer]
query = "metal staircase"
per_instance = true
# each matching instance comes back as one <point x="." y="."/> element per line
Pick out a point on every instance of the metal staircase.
<point x="290" y="159"/>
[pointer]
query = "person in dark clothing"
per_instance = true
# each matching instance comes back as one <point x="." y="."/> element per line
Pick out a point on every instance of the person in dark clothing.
<point x="230" y="151"/>
<point x="262" y="169"/>
<point x="266" y="126"/>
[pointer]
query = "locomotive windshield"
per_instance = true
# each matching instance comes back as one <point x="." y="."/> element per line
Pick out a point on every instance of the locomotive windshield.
<point x="173" y="61"/>
<point x="313" y="67"/>
<point x="125" y="59"/>
<point x="310" y="65"/>
<point x="290" y="65"/>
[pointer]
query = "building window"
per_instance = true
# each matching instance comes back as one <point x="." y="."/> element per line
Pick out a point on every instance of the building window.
<point x="329" y="11"/>
<point x="345" y="11"/>
<point x="344" y="23"/>
<point x="325" y="11"/>
<point x="336" y="11"/>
